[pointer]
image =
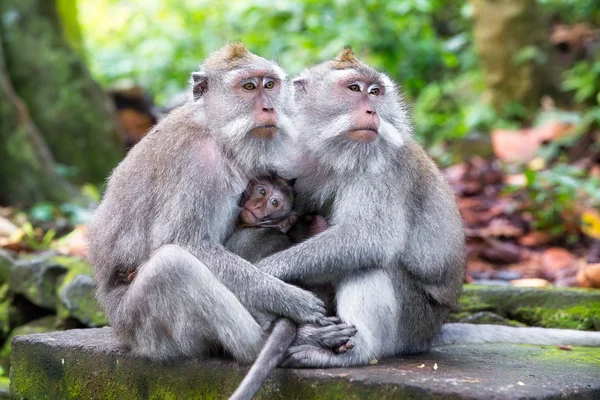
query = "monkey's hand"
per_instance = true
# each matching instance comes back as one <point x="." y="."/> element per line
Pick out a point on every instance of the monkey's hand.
<point x="332" y="337"/>
<point x="302" y="307"/>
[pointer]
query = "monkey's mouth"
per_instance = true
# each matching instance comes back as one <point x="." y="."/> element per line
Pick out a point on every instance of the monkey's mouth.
<point x="363" y="135"/>
<point x="264" y="132"/>
<point x="249" y="218"/>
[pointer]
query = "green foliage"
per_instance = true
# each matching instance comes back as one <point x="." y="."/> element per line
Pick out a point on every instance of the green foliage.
<point x="426" y="45"/>
<point x="34" y="240"/>
<point x="556" y="194"/>
<point x="158" y="43"/>
<point x="584" y="80"/>
<point x="571" y="11"/>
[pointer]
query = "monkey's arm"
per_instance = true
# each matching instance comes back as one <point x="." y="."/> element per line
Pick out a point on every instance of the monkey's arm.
<point x="334" y="252"/>
<point x="256" y="290"/>
<point x="254" y="244"/>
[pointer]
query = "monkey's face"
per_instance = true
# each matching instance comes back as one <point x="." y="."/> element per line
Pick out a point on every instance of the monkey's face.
<point x="265" y="200"/>
<point x="240" y="93"/>
<point x="242" y="99"/>
<point x="348" y="114"/>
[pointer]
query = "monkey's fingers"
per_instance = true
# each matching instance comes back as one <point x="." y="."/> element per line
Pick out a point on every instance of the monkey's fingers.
<point x="336" y="339"/>
<point x="329" y="321"/>
<point x="345" y="347"/>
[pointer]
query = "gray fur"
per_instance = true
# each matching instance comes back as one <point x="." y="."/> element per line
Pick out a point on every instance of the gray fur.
<point x="395" y="246"/>
<point x="168" y="208"/>
<point x="254" y="244"/>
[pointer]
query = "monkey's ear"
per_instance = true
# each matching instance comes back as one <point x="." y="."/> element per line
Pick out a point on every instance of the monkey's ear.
<point x="199" y="85"/>
<point x="300" y="86"/>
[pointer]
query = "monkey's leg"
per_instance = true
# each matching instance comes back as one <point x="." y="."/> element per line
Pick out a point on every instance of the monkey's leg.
<point x="176" y="307"/>
<point x="376" y="319"/>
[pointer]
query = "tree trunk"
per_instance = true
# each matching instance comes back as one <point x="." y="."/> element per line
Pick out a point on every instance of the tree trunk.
<point x="511" y="38"/>
<point x="72" y="112"/>
<point x="27" y="170"/>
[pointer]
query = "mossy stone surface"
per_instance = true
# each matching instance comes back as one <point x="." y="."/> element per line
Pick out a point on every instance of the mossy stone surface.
<point x="36" y="278"/>
<point x="76" y="293"/>
<point x="548" y="307"/>
<point x="6" y="263"/>
<point x="88" y="364"/>
<point x="41" y="325"/>
<point x="5" y="388"/>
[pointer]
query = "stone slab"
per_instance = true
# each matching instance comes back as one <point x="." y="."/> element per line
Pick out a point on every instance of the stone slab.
<point x="87" y="364"/>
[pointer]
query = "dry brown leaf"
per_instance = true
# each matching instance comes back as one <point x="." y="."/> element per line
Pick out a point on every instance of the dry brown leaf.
<point x="555" y="259"/>
<point x="566" y="347"/>
<point x="531" y="268"/>
<point x="7" y="228"/>
<point x="521" y="146"/>
<point x="531" y="282"/>
<point x="74" y="243"/>
<point x="477" y="265"/>
<point x="498" y="227"/>
<point x="501" y="252"/>
<point x="589" y="275"/>
<point x="535" y="238"/>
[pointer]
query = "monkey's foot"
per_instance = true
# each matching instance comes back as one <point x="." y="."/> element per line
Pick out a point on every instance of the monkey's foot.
<point x="306" y="356"/>
<point x="345" y="347"/>
<point x="332" y="337"/>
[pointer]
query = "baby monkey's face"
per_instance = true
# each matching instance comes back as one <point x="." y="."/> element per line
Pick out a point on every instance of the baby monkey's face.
<point x="266" y="200"/>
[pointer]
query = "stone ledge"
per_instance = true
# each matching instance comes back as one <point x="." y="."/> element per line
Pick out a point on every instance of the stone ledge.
<point x="86" y="363"/>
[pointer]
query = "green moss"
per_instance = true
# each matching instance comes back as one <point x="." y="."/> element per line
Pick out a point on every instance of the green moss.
<point x="75" y="292"/>
<point x="550" y="308"/>
<point x="41" y="325"/>
<point x="581" y="356"/>
<point x="583" y="317"/>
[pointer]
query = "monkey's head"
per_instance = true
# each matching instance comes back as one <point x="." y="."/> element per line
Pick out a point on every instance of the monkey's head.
<point x="348" y="114"/>
<point x="266" y="200"/>
<point x="243" y="98"/>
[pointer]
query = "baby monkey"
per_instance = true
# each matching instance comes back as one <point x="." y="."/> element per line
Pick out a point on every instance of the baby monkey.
<point x="268" y="224"/>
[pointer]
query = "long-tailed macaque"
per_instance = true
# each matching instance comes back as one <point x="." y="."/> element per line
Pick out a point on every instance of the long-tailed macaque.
<point x="395" y="248"/>
<point x="171" y="203"/>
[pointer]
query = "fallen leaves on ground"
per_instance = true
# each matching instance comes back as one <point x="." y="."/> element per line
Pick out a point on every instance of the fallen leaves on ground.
<point x="502" y="241"/>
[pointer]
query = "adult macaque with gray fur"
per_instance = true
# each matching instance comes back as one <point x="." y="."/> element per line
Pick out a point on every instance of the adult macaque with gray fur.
<point x="171" y="203"/>
<point x="395" y="247"/>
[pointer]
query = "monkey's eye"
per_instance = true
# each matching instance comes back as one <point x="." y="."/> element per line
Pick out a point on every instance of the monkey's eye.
<point x="275" y="202"/>
<point x="269" y="85"/>
<point x="249" y="86"/>
<point x="261" y="191"/>
<point x="374" y="91"/>
<point x="354" y="87"/>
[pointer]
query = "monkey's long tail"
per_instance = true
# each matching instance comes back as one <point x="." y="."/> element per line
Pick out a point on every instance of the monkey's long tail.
<point x="470" y="333"/>
<point x="284" y="332"/>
